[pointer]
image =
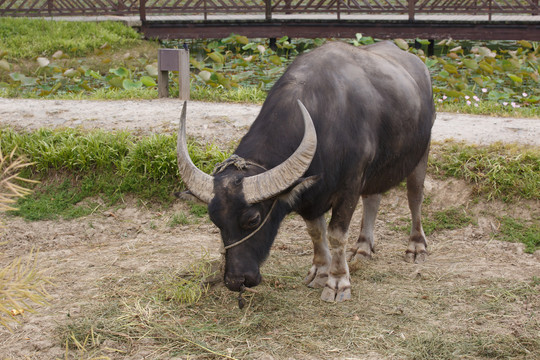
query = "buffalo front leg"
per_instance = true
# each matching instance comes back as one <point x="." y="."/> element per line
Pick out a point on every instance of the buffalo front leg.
<point x="338" y="286"/>
<point x="318" y="274"/>
<point x="417" y="248"/>
<point x="363" y="249"/>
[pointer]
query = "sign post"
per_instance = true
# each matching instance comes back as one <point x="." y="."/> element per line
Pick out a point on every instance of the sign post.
<point x="173" y="60"/>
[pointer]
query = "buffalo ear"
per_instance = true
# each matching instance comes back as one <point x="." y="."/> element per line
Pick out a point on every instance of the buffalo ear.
<point x="188" y="196"/>
<point x="292" y="194"/>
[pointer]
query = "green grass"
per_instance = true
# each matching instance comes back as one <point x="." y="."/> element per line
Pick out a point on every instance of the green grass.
<point x="498" y="171"/>
<point x="79" y="151"/>
<point x="56" y="200"/>
<point x="179" y="218"/>
<point x="198" y="210"/>
<point x="518" y="230"/>
<point x="72" y="196"/>
<point x="491" y="108"/>
<point x="447" y="219"/>
<point x="119" y="163"/>
<point x="75" y="165"/>
<point x="242" y="94"/>
<point x="28" y="38"/>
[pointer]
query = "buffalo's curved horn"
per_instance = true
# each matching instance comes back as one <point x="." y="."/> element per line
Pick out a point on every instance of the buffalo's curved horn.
<point x="270" y="183"/>
<point x="197" y="181"/>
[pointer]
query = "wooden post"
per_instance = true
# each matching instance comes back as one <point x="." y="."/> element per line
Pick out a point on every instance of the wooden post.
<point x="163" y="74"/>
<point x="173" y="60"/>
<point x="183" y="73"/>
<point x="411" y="10"/>
<point x="268" y="9"/>
<point x="142" y="11"/>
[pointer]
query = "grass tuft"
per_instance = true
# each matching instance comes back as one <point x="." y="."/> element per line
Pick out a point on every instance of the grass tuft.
<point x="498" y="171"/>
<point x="188" y="286"/>
<point x="516" y="230"/>
<point x="241" y="94"/>
<point x="447" y="219"/>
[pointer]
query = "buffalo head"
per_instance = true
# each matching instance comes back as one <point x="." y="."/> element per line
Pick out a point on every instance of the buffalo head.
<point x="247" y="202"/>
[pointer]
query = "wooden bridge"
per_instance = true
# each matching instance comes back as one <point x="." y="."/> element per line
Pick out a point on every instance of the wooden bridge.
<point x="185" y="19"/>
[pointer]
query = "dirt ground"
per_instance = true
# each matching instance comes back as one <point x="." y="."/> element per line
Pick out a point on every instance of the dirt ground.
<point x="121" y="242"/>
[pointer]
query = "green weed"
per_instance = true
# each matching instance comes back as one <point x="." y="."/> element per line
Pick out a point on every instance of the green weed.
<point x="240" y="94"/>
<point x="179" y="219"/>
<point x="514" y="230"/>
<point x="187" y="286"/>
<point x="448" y="219"/>
<point x="198" y="210"/>
<point x="497" y="171"/>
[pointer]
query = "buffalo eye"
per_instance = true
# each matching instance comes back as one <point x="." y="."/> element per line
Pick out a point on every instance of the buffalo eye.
<point x="250" y="219"/>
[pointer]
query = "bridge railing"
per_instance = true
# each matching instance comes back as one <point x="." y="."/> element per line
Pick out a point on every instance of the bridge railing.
<point x="44" y="8"/>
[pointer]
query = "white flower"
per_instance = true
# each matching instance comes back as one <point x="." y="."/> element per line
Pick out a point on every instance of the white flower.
<point x="469" y="102"/>
<point x="525" y="94"/>
<point x="444" y="97"/>
<point x="484" y="90"/>
<point x="467" y="97"/>
<point x="440" y="100"/>
<point x="505" y="103"/>
<point x="476" y="104"/>
<point x="476" y="98"/>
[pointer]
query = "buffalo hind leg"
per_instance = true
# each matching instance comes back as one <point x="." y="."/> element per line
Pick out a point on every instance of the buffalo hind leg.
<point x="318" y="274"/>
<point x="338" y="286"/>
<point x="363" y="249"/>
<point x="417" y="248"/>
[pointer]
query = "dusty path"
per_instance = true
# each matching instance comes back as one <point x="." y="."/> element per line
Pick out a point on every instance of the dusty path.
<point x="92" y="259"/>
<point x="222" y="122"/>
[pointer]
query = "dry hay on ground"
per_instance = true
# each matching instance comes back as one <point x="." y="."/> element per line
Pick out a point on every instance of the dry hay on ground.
<point x="474" y="297"/>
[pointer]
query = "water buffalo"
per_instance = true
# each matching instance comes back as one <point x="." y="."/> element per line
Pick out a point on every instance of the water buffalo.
<point x="343" y="122"/>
